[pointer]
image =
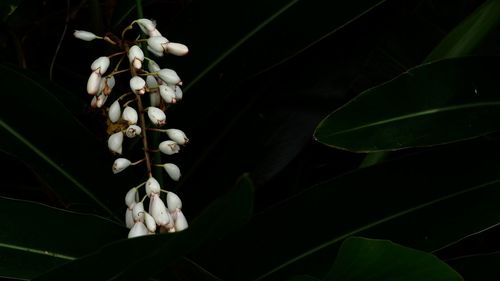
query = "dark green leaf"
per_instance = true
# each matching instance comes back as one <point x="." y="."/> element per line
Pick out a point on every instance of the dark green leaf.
<point x="35" y="238"/>
<point x="53" y="142"/>
<point x="7" y="8"/>
<point x="418" y="201"/>
<point x="370" y="259"/>
<point x="129" y="259"/>
<point x="469" y="33"/>
<point x="482" y="267"/>
<point x="435" y="103"/>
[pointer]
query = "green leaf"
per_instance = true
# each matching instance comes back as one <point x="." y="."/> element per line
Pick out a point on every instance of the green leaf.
<point x="464" y="38"/>
<point x="129" y="259"/>
<point x="8" y="7"/>
<point x="431" y="104"/>
<point x="35" y="238"/>
<point x="482" y="267"/>
<point x="53" y="143"/>
<point x="418" y="201"/>
<point x="370" y="259"/>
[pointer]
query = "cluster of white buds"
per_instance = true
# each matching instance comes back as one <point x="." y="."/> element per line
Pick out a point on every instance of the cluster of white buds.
<point x="162" y="87"/>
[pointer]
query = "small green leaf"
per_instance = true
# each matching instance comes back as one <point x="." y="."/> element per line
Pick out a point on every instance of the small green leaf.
<point x="35" y="238"/>
<point x="129" y="259"/>
<point x="370" y="259"/>
<point x="431" y="104"/>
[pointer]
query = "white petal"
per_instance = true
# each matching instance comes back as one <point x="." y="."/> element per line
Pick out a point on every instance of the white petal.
<point x="154" y="33"/>
<point x="173" y="202"/>
<point x="180" y="221"/>
<point x="173" y="171"/>
<point x="146" y="25"/>
<point x="152" y="186"/>
<point x="93" y="83"/>
<point x="150" y="222"/>
<point x="84" y="35"/>
<point x="130" y="115"/>
<point x="167" y="94"/>
<point x="129" y="219"/>
<point x="138" y="85"/>
<point x="138" y="211"/>
<point x="178" y="92"/>
<point x="169" y="147"/>
<point x="132" y="131"/>
<point x="153" y="66"/>
<point x="115" y="142"/>
<point x="177" y="135"/>
<point x="154" y="52"/>
<point x="158" y="43"/>
<point x="177" y="49"/>
<point x="100" y="65"/>
<point x="131" y="198"/>
<point x="169" y="76"/>
<point x="159" y="211"/>
<point x="139" y="229"/>
<point x="120" y="164"/>
<point x="114" y="112"/>
<point x="157" y="116"/>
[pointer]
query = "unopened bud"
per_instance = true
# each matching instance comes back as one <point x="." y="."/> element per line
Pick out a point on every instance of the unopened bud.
<point x="100" y="65"/>
<point x="132" y="131"/>
<point x="158" y="43"/>
<point x="150" y="223"/>
<point x="138" y="85"/>
<point x="178" y="92"/>
<point x="173" y="171"/>
<point x="131" y="197"/>
<point x="130" y="115"/>
<point x="169" y="76"/>
<point x="115" y="142"/>
<point x="173" y="202"/>
<point x="153" y="66"/>
<point x="139" y="229"/>
<point x="85" y="35"/>
<point x="169" y="147"/>
<point x="177" y="135"/>
<point x="180" y="221"/>
<point x="146" y="25"/>
<point x="101" y="99"/>
<point x="154" y="52"/>
<point x="93" y="83"/>
<point x="177" y="49"/>
<point x="159" y="211"/>
<point x="129" y="219"/>
<point x="138" y="211"/>
<point x="120" y="164"/>
<point x="157" y="116"/>
<point x="115" y="112"/>
<point x="167" y="94"/>
<point x="136" y="56"/>
<point x="152" y="186"/>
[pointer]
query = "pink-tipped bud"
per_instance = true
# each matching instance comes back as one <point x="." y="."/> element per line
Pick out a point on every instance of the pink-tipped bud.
<point x="159" y="211"/>
<point x="180" y="221"/>
<point x="138" y="85"/>
<point x="169" y="147"/>
<point x="167" y="94"/>
<point x="177" y="49"/>
<point x="107" y="85"/>
<point x="93" y="83"/>
<point x="130" y="115"/>
<point x="120" y="164"/>
<point x="115" y="112"/>
<point x="157" y="116"/>
<point x="100" y="65"/>
<point x="150" y="222"/>
<point x="101" y="99"/>
<point x="173" y="171"/>
<point x="85" y="35"/>
<point x="178" y="136"/>
<point x="173" y="202"/>
<point x="152" y="186"/>
<point x="132" y="131"/>
<point x="115" y="142"/>
<point x="169" y="76"/>
<point x="136" y="56"/>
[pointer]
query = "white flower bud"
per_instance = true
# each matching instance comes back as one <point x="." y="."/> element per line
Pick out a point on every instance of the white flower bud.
<point x="159" y="211"/>
<point x="177" y="135"/>
<point x="115" y="142"/>
<point x="93" y="102"/>
<point x="120" y="164"/>
<point x="150" y="222"/>
<point x="138" y="212"/>
<point x="132" y="131"/>
<point x="158" y="43"/>
<point x="167" y="94"/>
<point x="100" y="65"/>
<point x="169" y="147"/>
<point x="139" y="229"/>
<point x="130" y="115"/>
<point x="154" y="52"/>
<point x="129" y="219"/>
<point x="152" y="83"/>
<point x="115" y="111"/>
<point x="153" y="66"/>
<point x="101" y="99"/>
<point x="152" y="187"/>
<point x="180" y="221"/>
<point x="178" y="92"/>
<point x="131" y="197"/>
<point x="169" y="76"/>
<point x="173" y="171"/>
<point x="136" y="56"/>
<point x="93" y="83"/>
<point x="154" y="33"/>
<point x="146" y="25"/>
<point x="107" y="85"/>
<point x="85" y="35"/>
<point x="157" y="116"/>
<point x="177" y="49"/>
<point x="173" y="202"/>
<point x="154" y="99"/>
<point x="138" y="85"/>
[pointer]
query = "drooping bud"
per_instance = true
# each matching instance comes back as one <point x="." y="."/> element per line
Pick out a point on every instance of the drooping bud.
<point x="167" y="94"/>
<point x="169" y="147"/>
<point x="158" y="43"/>
<point x="157" y="116"/>
<point x="169" y="76"/>
<point x="178" y="136"/>
<point x="101" y="99"/>
<point x="178" y="92"/>
<point x="131" y="197"/>
<point x="136" y="56"/>
<point x="150" y="222"/>
<point x="177" y="49"/>
<point x="132" y="131"/>
<point x="93" y="83"/>
<point x="153" y="66"/>
<point x="139" y="229"/>
<point x="107" y="85"/>
<point x="180" y="221"/>
<point x="154" y="52"/>
<point x="129" y="219"/>
<point x="152" y="186"/>
<point x="120" y="164"/>
<point x="173" y="171"/>
<point x="115" y="142"/>
<point x="130" y="115"/>
<point x="138" y="212"/>
<point x="173" y="202"/>
<point x="154" y="33"/>
<point x="159" y="211"/>
<point x="85" y="35"/>
<point x="146" y="25"/>
<point x="114" y="112"/>
<point x="100" y="65"/>
<point x="154" y="95"/>
<point x="138" y="85"/>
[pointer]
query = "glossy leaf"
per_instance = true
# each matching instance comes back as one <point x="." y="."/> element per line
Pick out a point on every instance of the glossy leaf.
<point x="35" y="238"/>
<point x="362" y="259"/>
<point x="431" y="104"/>
<point x="128" y="259"/>
<point x="417" y="201"/>
<point x="53" y="143"/>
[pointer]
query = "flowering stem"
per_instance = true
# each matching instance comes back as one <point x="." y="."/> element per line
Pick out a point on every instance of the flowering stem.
<point x="137" y="162"/>
<point x="157" y="130"/>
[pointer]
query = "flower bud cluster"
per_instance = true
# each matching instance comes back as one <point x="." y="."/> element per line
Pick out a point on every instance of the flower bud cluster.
<point x="152" y="90"/>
